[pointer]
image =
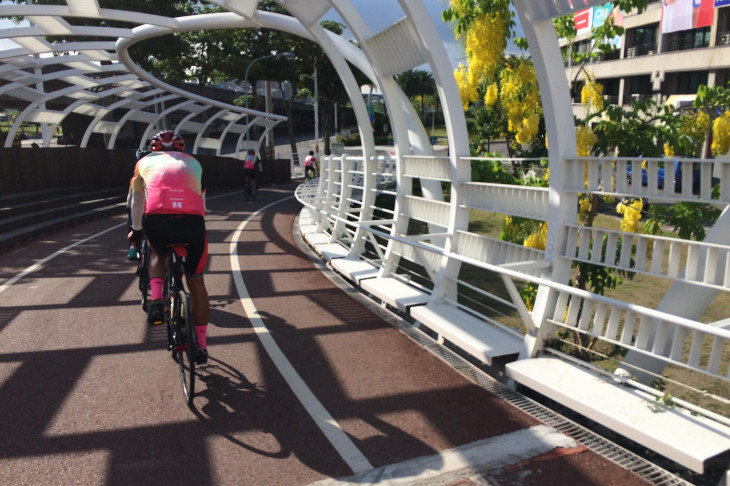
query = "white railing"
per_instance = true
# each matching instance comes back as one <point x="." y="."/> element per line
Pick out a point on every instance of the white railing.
<point x="401" y="243"/>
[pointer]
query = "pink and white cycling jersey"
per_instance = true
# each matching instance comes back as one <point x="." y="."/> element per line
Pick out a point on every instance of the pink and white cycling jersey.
<point x="170" y="182"/>
<point x="250" y="162"/>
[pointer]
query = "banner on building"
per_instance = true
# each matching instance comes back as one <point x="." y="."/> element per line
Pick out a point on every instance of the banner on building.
<point x="582" y="21"/>
<point x="601" y="14"/>
<point x="678" y="15"/>
<point x="604" y="12"/>
<point x="721" y="3"/>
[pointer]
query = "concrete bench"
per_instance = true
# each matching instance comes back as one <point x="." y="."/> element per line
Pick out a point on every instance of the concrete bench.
<point x="355" y="270"/>
<point x="473" y="335"/>
<point x="315" y="239"/>
<point x="672" y="432"/>
<point x="308" y="228"/>
<point x="331" y="251"/>
<point x="395" y="292"/>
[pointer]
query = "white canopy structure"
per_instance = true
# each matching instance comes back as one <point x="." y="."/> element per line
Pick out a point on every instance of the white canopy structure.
<point x="344" y="224"/>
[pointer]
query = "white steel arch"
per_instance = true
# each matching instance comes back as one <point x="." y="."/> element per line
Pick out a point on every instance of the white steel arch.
<point x="86" y="59"/>
<point x="423" y="272"/>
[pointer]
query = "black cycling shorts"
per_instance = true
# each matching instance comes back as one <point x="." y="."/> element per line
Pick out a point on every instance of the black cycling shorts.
<point x="166" y="230"/>
<point x="250" y="173"/>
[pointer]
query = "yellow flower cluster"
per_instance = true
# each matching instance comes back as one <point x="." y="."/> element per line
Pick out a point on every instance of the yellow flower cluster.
<point x="485" y="44"/>
<point x="490" y="98"/>
<point x="467" y="90"/>
<point x="721" y="134"/>
<point x="538" y="239"/>
<point x="584" y="205"/>
<point x="591" y="95"/>
<point x="632" y="215"/>
<point x="520" y="98"/>
<point x="585" y="140"/>
<point x="695" y="126"/>
<point x="668" y="150"/>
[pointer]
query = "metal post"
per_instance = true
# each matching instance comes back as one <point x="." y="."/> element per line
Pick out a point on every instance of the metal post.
<point x="287" y="55"/>
<point x="270" y="133"/>
<point x="316" y="113"/>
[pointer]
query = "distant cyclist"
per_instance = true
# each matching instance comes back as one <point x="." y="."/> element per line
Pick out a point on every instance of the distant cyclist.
<point x="249" y="170"/>
<point x="168" y="202"/>
<point x="310" y="165"/>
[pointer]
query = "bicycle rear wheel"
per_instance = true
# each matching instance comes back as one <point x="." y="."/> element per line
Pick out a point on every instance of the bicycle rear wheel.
<point x="144" y="275"/>
<point x="185" y="344"/>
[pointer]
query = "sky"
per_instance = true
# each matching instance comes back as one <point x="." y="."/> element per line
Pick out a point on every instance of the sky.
<point x="377" y="14"/>
<point x="380" y="14"/>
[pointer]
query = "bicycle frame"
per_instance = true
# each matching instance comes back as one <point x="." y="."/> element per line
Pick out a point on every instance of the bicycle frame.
<point x="248" y="188"/>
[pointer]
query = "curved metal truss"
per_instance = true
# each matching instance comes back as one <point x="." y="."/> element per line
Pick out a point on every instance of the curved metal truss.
<point x="96" y="78"/>
<point x="425" y="271"/>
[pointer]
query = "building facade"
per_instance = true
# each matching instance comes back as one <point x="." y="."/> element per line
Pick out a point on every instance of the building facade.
<point x="654" y="61"/>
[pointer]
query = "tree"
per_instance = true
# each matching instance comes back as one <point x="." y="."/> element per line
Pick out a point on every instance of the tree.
<point x="417" y="83"/>
<point x="203" y="57"/>
<point x="508" y="89"/>
<point x="329" y="85"/>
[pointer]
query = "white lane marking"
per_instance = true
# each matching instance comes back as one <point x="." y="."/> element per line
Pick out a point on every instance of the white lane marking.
<point x="60" y="252"/>
<point x="326" y="423"/>
<point x="42" y="262"/>
<point x="453" y="465"/>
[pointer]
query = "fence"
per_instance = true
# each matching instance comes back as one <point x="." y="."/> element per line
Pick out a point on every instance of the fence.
<point x="50" y="168"/>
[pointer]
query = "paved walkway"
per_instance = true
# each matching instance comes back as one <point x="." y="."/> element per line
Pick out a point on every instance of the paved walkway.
<point x="305" y="384"/>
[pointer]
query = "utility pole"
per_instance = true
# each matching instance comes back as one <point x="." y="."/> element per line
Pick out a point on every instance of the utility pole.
<point x="316" y="113"/>
<point x="270" y="133"/>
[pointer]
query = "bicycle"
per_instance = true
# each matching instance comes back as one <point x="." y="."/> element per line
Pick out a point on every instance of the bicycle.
<point x="308" y="174"/>
<point x="181" y="338"/>
<point x="143" y="272"/>
<point x="248" y="193"/>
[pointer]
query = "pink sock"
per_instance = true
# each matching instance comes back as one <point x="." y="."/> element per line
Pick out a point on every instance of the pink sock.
<point x="156" y="288"/>
<point x="201" y="331"/>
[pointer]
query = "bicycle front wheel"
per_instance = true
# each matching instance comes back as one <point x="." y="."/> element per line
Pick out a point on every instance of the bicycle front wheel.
<point x="185" y="345"/>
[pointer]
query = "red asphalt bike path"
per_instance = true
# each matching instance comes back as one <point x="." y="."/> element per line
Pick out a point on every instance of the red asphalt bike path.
<point x="88" y="394"/>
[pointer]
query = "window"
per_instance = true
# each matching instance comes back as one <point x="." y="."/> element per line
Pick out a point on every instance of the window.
<point x="688" y="83"/>
<point x="643" y="41"/>
<point x="689" y="39"/>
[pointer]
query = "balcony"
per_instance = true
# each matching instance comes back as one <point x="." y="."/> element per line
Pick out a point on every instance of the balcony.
<point x="641" y="50"/>
<point x="607" y="56"/>
<point x="682" y="44"/>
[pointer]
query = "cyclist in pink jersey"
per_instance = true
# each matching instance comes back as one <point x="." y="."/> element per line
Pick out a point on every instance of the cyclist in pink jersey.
<point x="310" y="162"/>
<point x="249" y="170"/>
<point x="168" y="203"/>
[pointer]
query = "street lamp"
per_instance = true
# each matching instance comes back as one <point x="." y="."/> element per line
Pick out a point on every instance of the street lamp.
<point x="316" y="109"/>
<point x="316" y="112"/>
<point x="286" y="55"/>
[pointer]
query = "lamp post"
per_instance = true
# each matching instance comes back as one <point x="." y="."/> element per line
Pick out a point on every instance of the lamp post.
<point x="316" y="109"/>
<point x="286" y="55"/>
<point x="316" y="113"/>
